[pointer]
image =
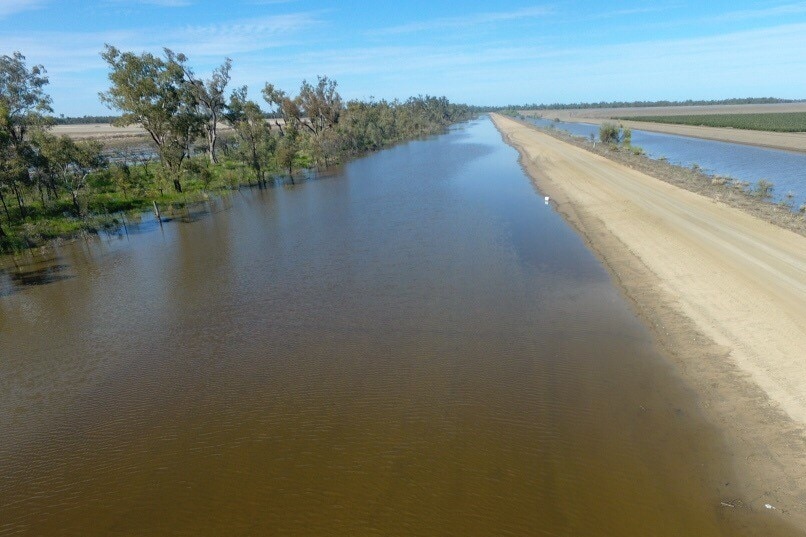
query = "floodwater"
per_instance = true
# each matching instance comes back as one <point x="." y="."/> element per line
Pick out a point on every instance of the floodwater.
<point x="417" y="345"/>
<point x="784" y="169"/>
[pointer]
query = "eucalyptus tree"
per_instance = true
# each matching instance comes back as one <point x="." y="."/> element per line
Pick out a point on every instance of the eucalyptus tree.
<point x="23" y="98"/>
<point x="209" y="96"/>
<point x="154" y="93"/>
<point x="23" y="107"/>
<point x="71" y="162"/>
<point x="313" y="114"/>
<point x="256" y="141"/>
<point x="286" y="155"/>
<point x="320" y="104"/>
<point x="281" y="103"/>
<point x="5" y="151"/>
<point x="322" y="107"/>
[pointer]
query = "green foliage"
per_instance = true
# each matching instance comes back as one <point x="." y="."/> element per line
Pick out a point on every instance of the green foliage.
<point x="154" y="93"/>
<point x="778" y="122"/>
<point x="22" y="97"/>
<point x="69" y="162"/>
<point x="321" y="105"/>
<point x="206" y="95"/>
<point x="635" y="150"/>
<point x="54" y="186"/>
<point x="23" y="105"/>
<point x="256" y="142"/>
<point x="626" y="137"/>
<point x="369" y="126"/>
<point x="609" y="133"/>
<point x="763" y="189"/>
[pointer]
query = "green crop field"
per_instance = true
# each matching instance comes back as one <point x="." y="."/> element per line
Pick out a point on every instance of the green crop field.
<point x="780" y="122"/>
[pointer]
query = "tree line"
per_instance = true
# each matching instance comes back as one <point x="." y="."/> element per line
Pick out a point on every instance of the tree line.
<point x="54" y="185"/>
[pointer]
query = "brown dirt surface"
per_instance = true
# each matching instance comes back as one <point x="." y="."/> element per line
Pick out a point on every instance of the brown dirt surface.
<point x="720" y="189"/>
<point x="723" y="291"/>
<point x="790" y="141"/>
<point x="99" y="131"/>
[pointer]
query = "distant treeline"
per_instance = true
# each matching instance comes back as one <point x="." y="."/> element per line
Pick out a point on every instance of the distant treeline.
<point x="651" y="104"/>
<point x="83" y="120"/>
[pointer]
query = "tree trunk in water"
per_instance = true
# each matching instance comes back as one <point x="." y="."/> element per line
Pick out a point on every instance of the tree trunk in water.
<point x="291" y="174"/>
<point x="177" y="185"/>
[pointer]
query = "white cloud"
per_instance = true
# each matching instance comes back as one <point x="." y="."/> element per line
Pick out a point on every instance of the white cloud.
<point x="467" y="21"/>
<point x="161" y="3"/>
<point x="10" y="7"/>
<point x="766" y="61"/>
<point x="270" y="2"/>
<point x="633" y="11"/>
<point x="76" y="52"/>
<point x="774" y="11"/>
<point x="756" y="62"/>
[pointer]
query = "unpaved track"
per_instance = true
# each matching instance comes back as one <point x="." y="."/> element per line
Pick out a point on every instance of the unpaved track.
<point x="742" y="280"/>
<point x="724" y="293"/>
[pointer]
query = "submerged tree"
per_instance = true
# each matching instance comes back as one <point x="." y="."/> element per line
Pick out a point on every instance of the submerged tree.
<point x="311" y="117"/>
<point x="257" y="142"/>
<point x="154" y="93"/>
<point x="287" y="153"/>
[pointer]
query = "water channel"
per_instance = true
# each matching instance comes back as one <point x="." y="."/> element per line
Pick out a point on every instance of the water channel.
<point x="785" y="169"/>
<point x="416" y="345"/>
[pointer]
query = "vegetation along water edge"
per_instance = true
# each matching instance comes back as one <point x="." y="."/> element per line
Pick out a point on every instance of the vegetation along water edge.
<point x="53" y="186"/>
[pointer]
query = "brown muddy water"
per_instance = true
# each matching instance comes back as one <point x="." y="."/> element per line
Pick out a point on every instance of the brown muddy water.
<point x="418" y="345"/>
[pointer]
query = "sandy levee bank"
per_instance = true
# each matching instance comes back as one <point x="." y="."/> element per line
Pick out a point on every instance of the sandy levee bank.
<point x="724" y="292"/>
<point x="790" y="141"/>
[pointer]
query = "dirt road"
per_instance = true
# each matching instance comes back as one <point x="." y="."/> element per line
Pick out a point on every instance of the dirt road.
<point x="790" y="141"/>
<point x="724" y="291"/>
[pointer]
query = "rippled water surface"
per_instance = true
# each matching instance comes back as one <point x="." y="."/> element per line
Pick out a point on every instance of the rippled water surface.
<point x="785" y="169"/>
<point x="417" y="345"/>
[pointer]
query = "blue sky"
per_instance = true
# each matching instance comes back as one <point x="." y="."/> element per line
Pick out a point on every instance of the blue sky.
<point x="472" y="51"/>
